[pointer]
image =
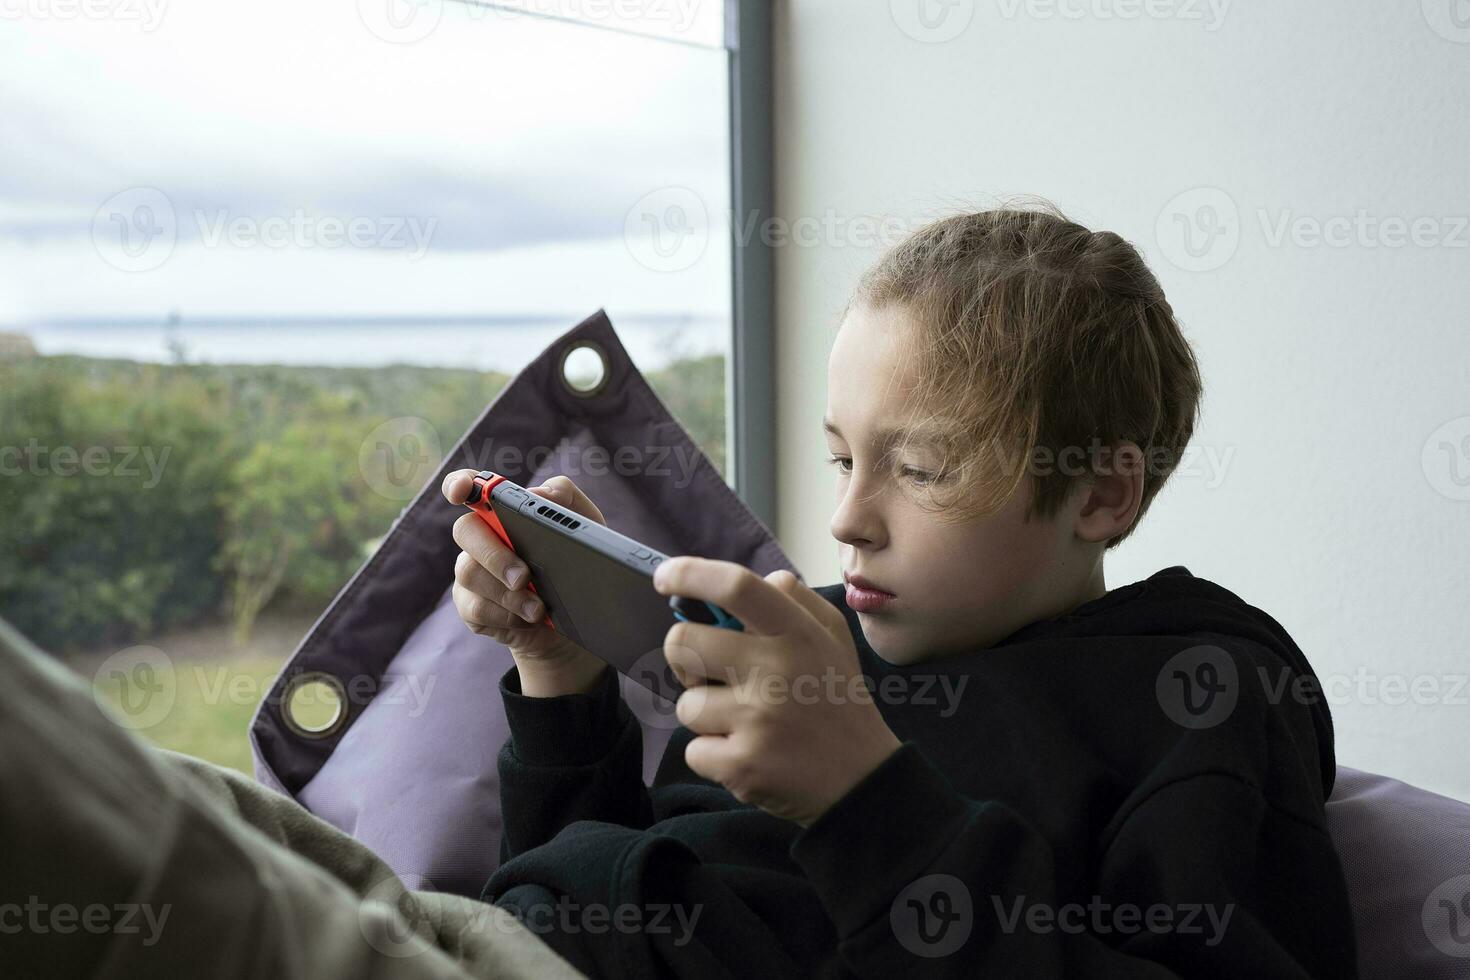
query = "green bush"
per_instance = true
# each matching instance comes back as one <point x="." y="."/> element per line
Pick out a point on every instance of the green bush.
<point x="298" y="524"/>
<point x="109" y="494"/>
<point x="213" y="491"/>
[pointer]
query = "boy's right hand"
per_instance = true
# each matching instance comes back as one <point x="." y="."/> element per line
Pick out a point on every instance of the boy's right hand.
<point x="491" y="595"/>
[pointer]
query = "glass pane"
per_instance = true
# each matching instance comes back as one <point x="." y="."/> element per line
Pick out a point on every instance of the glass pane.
<point x="454" y="201"/>
<point x="690" y="21"/>
<point x="243" y="247"/>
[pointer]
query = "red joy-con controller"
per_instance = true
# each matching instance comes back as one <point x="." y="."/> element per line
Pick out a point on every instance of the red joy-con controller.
<point x="479" y="502"/>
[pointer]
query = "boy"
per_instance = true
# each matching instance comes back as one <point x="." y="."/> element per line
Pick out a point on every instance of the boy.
<point x="973" y="759"/>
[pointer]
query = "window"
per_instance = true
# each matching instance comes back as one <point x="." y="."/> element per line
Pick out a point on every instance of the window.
<point x="431" y="183"/>
<point x="235" y="238"/>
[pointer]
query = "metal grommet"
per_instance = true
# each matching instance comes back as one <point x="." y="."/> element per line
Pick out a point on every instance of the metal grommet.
<point x="584" y="369"/>
<point x="314" y="704"/>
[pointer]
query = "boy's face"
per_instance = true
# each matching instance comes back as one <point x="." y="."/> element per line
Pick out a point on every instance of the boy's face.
<point x="957" y="587"/>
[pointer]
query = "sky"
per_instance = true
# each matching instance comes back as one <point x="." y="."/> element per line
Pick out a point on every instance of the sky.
<point x="371" y="157"/>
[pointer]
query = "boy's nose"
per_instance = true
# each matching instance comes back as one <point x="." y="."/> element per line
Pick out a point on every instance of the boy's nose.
<point x="856" y="521"/>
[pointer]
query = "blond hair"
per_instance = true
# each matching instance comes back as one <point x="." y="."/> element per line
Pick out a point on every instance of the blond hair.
<point x="1031" y="334"/>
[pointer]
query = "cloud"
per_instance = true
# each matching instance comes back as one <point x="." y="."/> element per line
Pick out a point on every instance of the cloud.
<point x="509" y="131"/>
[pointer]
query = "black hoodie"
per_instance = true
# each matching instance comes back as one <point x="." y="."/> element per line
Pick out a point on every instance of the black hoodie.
<point x="1133" y="789"/>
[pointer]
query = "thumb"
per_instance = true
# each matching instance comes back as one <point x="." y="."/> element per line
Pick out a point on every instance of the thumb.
<point x="826" y="614"/>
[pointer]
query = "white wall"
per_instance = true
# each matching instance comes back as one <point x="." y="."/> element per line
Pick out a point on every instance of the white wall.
<point x="1333" y="502"/>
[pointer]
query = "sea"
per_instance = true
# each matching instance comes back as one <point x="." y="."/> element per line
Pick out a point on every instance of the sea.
<point x="498" y="342"/>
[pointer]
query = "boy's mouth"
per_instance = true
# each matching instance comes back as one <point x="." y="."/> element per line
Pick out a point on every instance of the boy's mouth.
<point x="865" y="596"/>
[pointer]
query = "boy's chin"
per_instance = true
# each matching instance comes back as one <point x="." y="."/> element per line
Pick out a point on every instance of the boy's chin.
<point x="895" y="643"/>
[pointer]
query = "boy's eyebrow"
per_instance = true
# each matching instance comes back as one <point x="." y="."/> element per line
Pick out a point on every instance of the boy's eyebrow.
<point x="888" y="435"/>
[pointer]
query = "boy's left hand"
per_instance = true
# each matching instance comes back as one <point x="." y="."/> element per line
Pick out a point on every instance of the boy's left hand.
<point x="782" y="715"/>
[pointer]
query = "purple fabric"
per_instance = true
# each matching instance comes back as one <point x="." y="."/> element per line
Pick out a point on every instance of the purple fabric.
<point x="1406" y="856"/>
<point x="411" y="772"/>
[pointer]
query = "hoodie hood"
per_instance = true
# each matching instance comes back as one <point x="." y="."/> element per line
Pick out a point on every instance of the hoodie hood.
<point x="1175" y="602"/>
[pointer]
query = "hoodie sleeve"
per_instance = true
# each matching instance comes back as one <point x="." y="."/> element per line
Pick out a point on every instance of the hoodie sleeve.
<point x="1202" y="877"/>
<point x="569" y="758"/>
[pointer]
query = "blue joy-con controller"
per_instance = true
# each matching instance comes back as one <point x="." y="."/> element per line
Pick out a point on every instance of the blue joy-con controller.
<point x="701" y="611"/>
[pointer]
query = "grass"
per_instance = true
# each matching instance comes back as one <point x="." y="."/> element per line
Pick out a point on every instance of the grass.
<point x="191" y="691"/>
<point x="211" y="710"/>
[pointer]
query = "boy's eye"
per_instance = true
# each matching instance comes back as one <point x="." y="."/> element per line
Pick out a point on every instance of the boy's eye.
<point x="920" y="477"/>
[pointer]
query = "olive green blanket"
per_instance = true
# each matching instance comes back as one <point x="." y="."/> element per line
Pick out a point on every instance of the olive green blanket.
<point x="121" y="860"/>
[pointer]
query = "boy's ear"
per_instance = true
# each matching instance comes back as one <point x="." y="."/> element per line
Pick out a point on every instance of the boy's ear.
<point x="1112" y="494"/>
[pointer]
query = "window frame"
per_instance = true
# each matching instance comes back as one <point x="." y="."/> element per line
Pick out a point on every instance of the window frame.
<point x="750" y="386"/>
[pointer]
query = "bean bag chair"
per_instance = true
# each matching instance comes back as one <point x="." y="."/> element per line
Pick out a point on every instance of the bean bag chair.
<point x="1406" y="856"/>
<point x="407" y="765"/>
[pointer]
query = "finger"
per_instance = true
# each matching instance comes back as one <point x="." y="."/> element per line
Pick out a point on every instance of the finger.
<point x="478" y="580"/>
<point x="479" y="612"/>
<point x="708" y="709"/>
<point x="758" y="604"/>
<point x="714" y="757"/>
<point x="702" y="654"/>
<point x="563" y="491"/>
<point x="471" y="534"/>
<point x="456" y="486"/>
<point x="826" y="614"/>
